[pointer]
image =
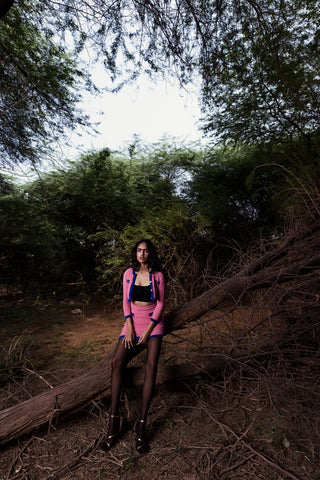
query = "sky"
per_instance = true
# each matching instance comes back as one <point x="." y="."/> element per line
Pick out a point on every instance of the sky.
<point x="149" y="110"/>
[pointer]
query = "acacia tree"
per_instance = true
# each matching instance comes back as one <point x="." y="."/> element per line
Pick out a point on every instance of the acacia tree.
<point x="259" y="61"/>
<point x="55" y="216"/>
<point x="262" y="82"/>
<point x="238" y="199"/>
<point x="38" y="86"/>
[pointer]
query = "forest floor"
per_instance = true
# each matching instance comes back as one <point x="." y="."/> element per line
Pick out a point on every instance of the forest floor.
<point x="235" y="426"/>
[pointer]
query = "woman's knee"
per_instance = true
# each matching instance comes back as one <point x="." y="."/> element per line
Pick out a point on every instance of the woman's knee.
<point x="118" y="360"/>
<point x="153" y="349"/>
<point x="151" y="366"/>
<point x="116" y="364"/>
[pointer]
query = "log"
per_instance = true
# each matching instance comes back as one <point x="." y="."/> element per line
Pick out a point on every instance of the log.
<point x="74" y="394"/>
<point x="169" y="373"/>
<point x="231" y="289"/>
<point x="35" y="412"/>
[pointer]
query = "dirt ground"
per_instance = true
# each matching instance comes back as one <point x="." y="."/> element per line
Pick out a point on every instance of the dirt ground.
<point x="231" y="426"/>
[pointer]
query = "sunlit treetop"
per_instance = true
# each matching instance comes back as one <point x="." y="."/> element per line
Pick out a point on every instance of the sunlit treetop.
<point x="258" y="61"/>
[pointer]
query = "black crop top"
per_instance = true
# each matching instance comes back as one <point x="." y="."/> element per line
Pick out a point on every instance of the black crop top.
<point x="141" y="294"/>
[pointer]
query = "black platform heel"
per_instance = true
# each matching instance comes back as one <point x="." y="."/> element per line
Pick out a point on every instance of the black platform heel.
<point x="141" y="443"/>
<point x="111" y="439"/>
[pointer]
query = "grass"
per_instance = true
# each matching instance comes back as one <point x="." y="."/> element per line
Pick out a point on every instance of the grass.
<point x="84" y="355"/>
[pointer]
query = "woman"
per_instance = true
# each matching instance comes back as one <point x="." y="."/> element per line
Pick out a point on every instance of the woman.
<point x="143" y="301"/>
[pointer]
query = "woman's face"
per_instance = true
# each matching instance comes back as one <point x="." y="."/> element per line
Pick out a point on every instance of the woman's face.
<point x="142" y="253"/>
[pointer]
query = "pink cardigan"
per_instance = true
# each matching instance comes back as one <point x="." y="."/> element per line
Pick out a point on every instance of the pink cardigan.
<point x="157" y="287"/>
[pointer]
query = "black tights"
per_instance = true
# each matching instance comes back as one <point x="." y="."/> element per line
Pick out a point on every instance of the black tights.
<point x="121" y="358"/>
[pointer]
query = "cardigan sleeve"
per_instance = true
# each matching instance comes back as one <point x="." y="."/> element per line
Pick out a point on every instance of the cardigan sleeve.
<point x="126" y="289"/>
<point x="160" y="289"/>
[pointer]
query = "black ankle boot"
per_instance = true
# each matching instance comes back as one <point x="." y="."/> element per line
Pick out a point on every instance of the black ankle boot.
<point x="113" y="432"/>
<point x="141" y="442"/>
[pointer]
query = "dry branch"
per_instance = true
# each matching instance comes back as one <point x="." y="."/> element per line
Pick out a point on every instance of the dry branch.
<point x="70" y="396"/>
<point x="254" y="451"/>
<point x="76" y="460"/>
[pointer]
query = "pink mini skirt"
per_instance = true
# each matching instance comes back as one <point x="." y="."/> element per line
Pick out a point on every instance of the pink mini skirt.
<point x="141" y="316"/>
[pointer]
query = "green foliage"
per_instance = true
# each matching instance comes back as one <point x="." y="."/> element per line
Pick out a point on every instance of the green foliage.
<point x="259" y="62"/>
<point x="56" y="216"/>
<point x="90" y="214"/>
<point x="75" y="201"/>
<point x="158" y="172"/>
<point x="236" y="198"/>
<point x="89" y="192"/>
<point x="177" y="237"/>
<point x="244" y="191"/>
<point x="25" y="237"/>
<point x="261" y="80"/>
<point x="38" y="86"/>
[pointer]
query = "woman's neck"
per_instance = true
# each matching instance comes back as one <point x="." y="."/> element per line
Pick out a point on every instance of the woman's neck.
<point x="144" y="268"/>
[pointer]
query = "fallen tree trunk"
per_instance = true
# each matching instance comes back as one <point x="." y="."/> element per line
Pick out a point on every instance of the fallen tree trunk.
<point x="169" y="373"/>
<point x="70" y="396"/>
<point x="232" y="288"/>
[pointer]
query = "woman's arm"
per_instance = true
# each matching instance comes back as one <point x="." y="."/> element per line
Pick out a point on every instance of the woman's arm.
<point x="126" y="304"/>
<point x="129" y="337"/>
<point x="158" y="309"/>
<point x="160" y="284"/>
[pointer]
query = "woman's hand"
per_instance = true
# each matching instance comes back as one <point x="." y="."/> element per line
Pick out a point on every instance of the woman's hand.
<point x="129" y="337"/>
<point x="144" y="337"/>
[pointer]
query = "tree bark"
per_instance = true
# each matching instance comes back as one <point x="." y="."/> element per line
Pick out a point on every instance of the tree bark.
<point x="70" y="396"/>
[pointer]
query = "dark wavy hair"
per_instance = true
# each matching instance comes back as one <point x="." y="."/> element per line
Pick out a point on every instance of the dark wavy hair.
<point x="153" y="260"/>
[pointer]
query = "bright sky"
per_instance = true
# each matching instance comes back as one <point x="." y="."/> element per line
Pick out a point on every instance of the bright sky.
<point x="148" y="110"/>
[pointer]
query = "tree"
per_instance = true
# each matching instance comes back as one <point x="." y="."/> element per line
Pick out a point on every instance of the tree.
<point x="50" y="223"/>
<point x="159" y="171"/>
<point x="27" y="238"/>
<point x="259" y="62"/>
<point x="238" y="199"/>
<point x="75" y="201"/>
<point x="39" y="81"/>
<point x="262" y="83"/>
<point x="180" y="240"/>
